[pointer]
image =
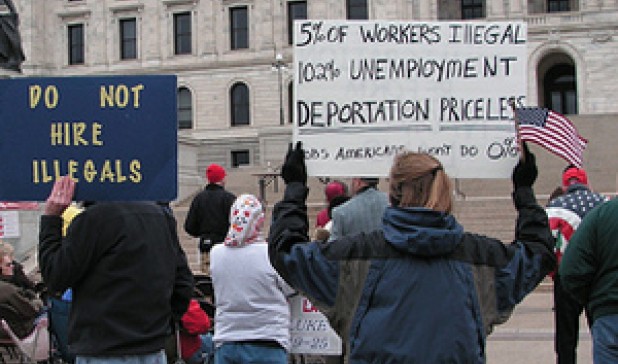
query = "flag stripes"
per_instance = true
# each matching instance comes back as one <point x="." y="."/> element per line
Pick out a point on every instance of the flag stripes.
<point x="552" y="131"/>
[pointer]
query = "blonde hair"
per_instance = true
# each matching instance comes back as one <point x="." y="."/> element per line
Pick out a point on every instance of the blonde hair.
<point x="6" y="249"/>
<point x="419" y="180"/>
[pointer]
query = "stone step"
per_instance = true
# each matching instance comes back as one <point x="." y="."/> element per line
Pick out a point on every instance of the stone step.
<point x="494" y="217"/>
<point x="481" y="206"/>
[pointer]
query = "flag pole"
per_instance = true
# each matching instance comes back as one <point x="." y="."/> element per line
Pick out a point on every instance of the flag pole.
<point x="519" y="142"/>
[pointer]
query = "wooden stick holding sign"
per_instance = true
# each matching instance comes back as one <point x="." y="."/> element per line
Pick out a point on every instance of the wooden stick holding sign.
<point x="519" y="142"/>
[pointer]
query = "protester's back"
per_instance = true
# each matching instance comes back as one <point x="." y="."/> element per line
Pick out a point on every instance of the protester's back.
<point x="124" y="263"/>
<point x="208" y="216"/>
<point x="420" y="302"/>
<point x="565" y="213"/>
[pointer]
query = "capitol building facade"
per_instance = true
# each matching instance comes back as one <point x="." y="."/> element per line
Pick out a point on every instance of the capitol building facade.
<point x="234" y="59"/>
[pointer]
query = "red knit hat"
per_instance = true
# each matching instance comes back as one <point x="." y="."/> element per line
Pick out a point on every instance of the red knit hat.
<point x="333" y="190"/>
<point x="574" y="173"/>
<point x="215" y="173"/>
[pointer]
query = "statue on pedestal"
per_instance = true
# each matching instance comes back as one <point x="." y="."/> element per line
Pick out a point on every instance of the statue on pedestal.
<point x="11" y="52"/>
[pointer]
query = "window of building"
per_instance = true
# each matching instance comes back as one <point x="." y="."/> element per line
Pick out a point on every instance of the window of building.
<point x="240" y="158"/>
<point x="296" y="10"/>
<point x="185" y="109"/>
<point x="239" y="96"/>
<point x="357" y="9"/>
<point x="128" y="38"/>
<point x="291" y="102"/>
<point x="561" y="89"/>
<point x="239" y="24"/>
<point x="76" y="43"/>
<point x="182" y="33"/>
<point x="558" y="5"/>
<point x="472" y="9"/>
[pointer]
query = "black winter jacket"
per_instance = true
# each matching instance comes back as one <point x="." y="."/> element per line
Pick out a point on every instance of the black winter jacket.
<point x="128" y="273"/>
<point x="209" y="214"/>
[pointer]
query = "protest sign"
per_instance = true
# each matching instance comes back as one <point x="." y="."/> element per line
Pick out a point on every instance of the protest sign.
<point x="9" y="224"/>
<point x="367" y="90"/>
<point x="116" y="136"/>
<point x="310" y="331"/>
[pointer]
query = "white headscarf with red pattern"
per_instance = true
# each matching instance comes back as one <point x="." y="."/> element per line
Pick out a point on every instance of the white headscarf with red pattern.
<point x="246" y="222"/>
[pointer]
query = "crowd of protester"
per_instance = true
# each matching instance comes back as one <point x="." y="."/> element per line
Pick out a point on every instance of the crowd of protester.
<point x="394" y="262"/>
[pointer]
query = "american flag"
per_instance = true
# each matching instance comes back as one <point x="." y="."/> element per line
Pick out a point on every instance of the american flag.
<point x="567" y="211"/>
<point x="552" y="131"/>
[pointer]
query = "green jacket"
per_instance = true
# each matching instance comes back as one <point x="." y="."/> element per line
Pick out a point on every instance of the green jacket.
<point x="589" y="268"/>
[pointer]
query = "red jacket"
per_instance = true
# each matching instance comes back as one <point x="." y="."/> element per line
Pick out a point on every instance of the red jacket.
<point x="194" y="322"/>
<point x="322" y="218"/>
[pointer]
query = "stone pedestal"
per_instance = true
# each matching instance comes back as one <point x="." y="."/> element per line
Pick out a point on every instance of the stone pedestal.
<point x="5" y="73"/>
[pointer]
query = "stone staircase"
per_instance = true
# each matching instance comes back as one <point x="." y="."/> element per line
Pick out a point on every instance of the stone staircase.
<point x="486" y="208"/>
<point x="494" y="217"/>
<point x="245" y="180"/>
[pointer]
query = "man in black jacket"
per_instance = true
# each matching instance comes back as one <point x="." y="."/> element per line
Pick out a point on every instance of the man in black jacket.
<point x="127" y="270"/>
<point x="209" y="214"/>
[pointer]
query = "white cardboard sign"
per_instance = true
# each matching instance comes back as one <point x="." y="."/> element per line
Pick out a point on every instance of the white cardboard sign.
<point x="9" y="224"/>
<point x="367" y="90"/>
<point x="310" y="331"/>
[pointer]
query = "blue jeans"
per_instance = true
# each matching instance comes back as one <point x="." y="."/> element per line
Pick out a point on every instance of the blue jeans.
<point x="155" y="358"/>
<point x="205" y="354"/>
<point x="243" y="353"/>
<point x="605" y="340"/>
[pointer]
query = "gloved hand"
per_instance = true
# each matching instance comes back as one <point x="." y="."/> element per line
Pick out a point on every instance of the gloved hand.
<point x="525" y="172"/>
<point x="294" y="169"/>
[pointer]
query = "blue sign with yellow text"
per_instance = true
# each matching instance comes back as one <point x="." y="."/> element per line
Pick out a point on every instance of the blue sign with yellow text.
<point x="116" y="136"/>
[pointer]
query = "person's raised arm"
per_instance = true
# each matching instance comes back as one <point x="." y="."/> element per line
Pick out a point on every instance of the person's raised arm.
<point x="532" y="249"/>
<point x="532" y="227"/>
<point x="50" y="234"/>
<point x="289" y="220"/>
<point x="301" y="264"/>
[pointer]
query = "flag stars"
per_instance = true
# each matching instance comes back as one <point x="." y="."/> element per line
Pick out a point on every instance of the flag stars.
<point x="578" y="200"/>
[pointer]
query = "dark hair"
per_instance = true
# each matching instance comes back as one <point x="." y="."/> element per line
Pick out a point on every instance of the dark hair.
<point x="557" y="192"/>
<point x="371" y="181"/>
<point x="338" y="200"/>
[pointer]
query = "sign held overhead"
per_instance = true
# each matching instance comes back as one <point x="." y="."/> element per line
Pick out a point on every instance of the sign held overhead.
<point x="367" y="90"/>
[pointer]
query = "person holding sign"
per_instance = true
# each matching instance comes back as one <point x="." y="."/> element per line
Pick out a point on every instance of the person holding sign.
<point x="433" y="291"/>
<point x="127" y="271"/>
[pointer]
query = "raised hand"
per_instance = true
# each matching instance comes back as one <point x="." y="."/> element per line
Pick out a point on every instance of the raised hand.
<point x="294" y="168"/>
<point x="525" y="172"/>
<point x="60" y="197"/>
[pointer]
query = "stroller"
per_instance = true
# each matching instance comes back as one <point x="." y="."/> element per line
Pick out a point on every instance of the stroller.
<point x="203" y="294"/>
